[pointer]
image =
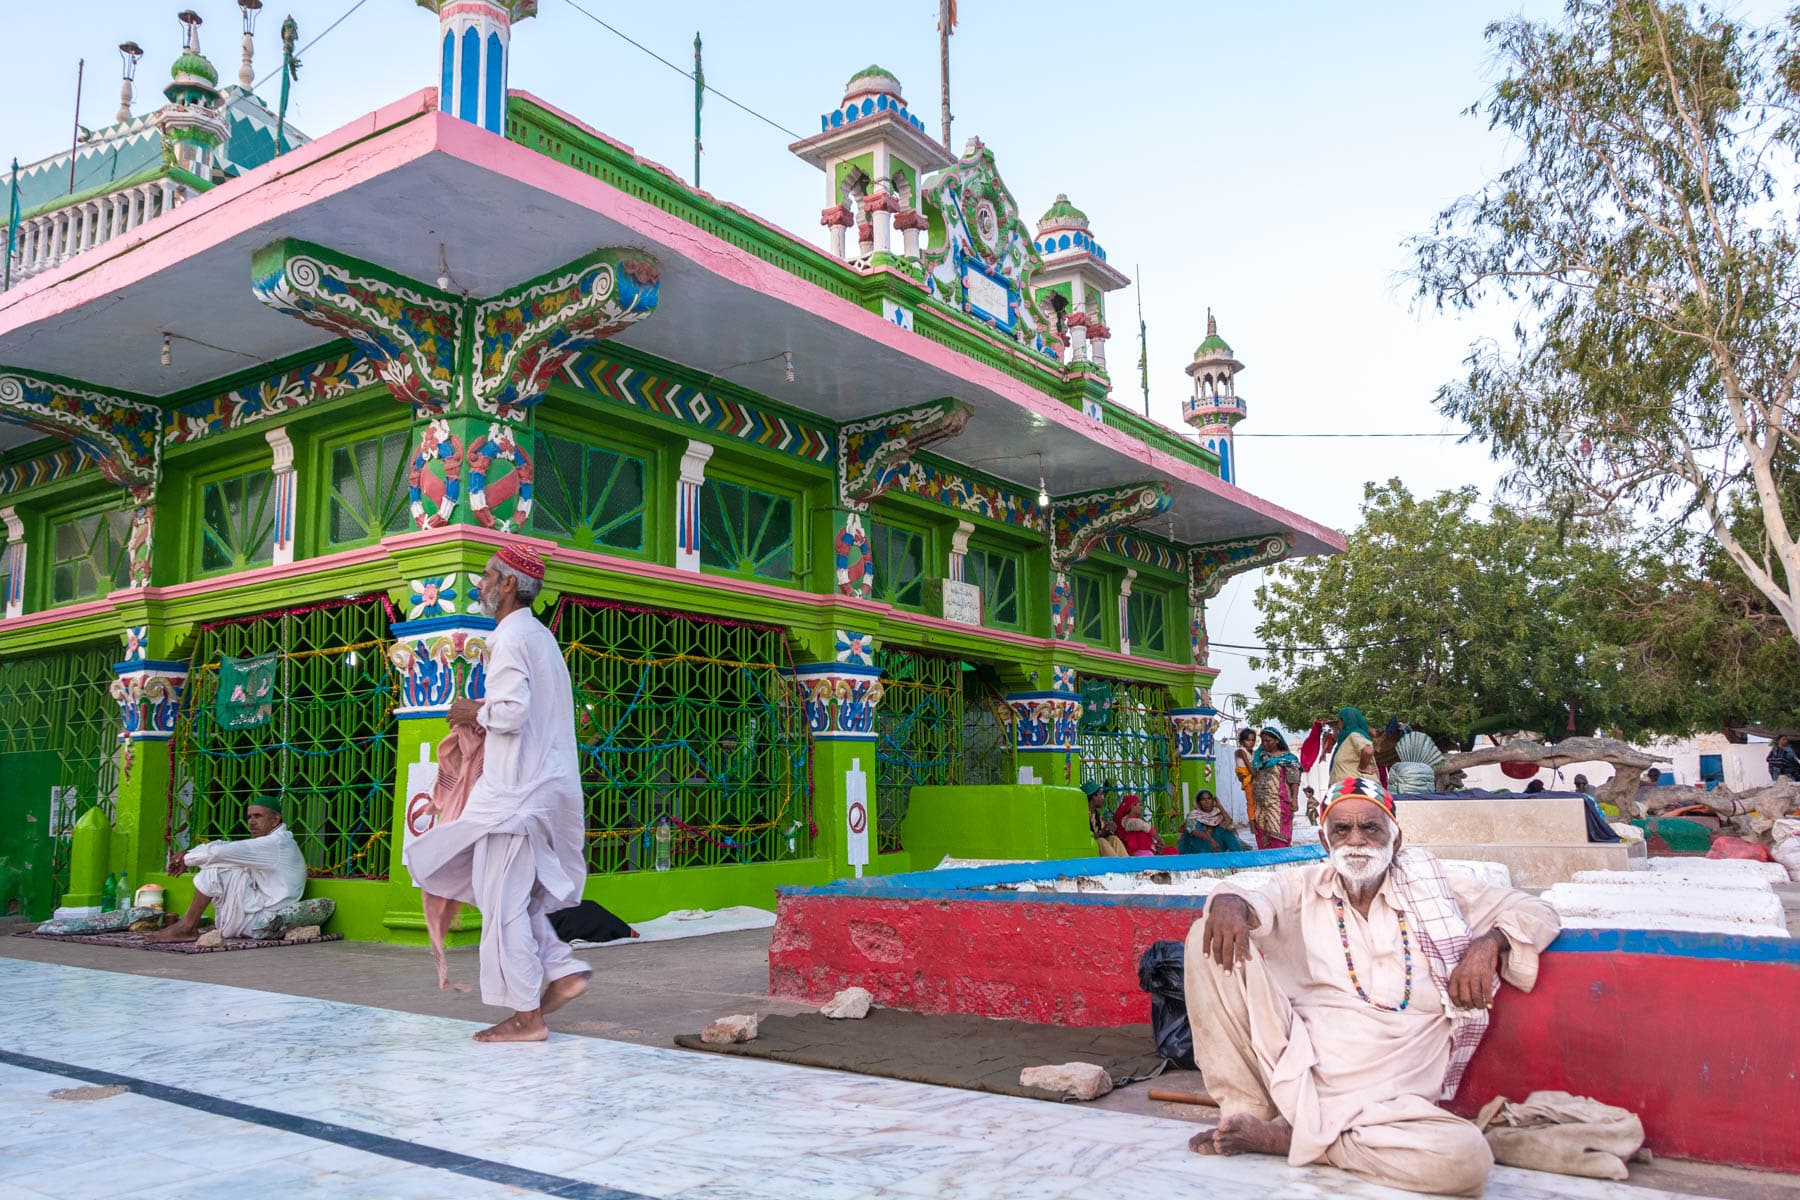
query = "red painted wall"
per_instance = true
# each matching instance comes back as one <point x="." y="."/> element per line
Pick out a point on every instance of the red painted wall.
<point x="1704" y="1050"/>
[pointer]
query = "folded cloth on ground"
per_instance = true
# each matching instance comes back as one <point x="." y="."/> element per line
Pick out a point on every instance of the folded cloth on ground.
<point x="1559" y="1132"/>
<point x="690" y="922"/>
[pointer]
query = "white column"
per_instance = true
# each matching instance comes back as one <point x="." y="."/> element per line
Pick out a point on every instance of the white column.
<point x="883" y="186"/>
<point x="285" y="491"/>
<point x="687" y="505"/>
<point x="92" y="237"/>
<point x="1098" y="345"/>
<point x="15" y="562"/>
<point x="1125" y="612"/>
<point x="59" y="231"/>
<point x="168" y="195"/>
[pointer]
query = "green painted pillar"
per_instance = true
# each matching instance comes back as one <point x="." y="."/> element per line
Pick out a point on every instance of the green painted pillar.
<point x="1194" y="731"/>
<point x="841" y="698"/>
<point x="149" y="693"/>
<point x="89" y="860"/>
<point x="441" y="658"/>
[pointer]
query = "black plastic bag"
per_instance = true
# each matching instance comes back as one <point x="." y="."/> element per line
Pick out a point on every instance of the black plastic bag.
<point x="588" y="922"/>
<point x="1162" y="972"/>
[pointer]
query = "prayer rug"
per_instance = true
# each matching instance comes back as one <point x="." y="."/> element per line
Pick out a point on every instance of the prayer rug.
<point x="950" y="1050"/>
<point x="135" y="941"/>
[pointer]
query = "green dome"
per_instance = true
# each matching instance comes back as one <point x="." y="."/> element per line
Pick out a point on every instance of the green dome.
<point x="1214" y="346"/>
<point x="1062" y="210"/>
<point x="192" y="65"/>
<point x="872" y="80"/>
<point x="870" y="71"/>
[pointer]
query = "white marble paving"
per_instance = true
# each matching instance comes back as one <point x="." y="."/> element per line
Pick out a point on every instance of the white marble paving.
<point x="666" y="1123"/>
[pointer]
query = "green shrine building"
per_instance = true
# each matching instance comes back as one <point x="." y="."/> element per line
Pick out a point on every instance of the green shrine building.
<point x="855" y="559"/>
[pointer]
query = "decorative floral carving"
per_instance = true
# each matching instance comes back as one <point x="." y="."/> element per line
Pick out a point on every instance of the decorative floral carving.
<point x="436" y="444"/>
<point x="498" y="444"/>
<point x="840" y="699"/>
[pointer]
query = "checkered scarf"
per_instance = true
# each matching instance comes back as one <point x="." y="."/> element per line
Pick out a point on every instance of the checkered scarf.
<point x="1443" y="935"/>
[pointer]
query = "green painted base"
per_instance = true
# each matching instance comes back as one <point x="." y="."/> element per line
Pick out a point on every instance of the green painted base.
<point x="1051" y="768"/>
<point x="996" y="822"/>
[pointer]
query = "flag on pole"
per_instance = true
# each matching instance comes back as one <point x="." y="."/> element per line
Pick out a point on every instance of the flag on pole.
<point x="947" y="16"/>
<point x="290" y="71"/>
<point x="699" y="98"/>
<point x="1143" y="342"/>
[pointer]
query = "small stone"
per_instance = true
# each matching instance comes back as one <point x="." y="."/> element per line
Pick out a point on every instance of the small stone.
<point x="303" y="933"/>
<point x="1082" y="1081"/>
<point x="211" y="937"/>
<point x="726" y="1030"/>
<point x="851" y="1004"/>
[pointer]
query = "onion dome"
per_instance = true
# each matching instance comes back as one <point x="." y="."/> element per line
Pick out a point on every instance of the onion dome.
<point x="1062" y="215"/>
<point x="1214" y="347"/>
<point x="873" y="81"/>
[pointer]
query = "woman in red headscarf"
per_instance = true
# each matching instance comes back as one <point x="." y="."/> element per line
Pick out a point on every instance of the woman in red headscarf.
<point x="1130" y="827"/>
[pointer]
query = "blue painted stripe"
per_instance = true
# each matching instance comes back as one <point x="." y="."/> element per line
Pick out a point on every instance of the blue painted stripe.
<point x="1063" y="868"/>
<point x="484" y="1169"/>
<point x="468" y="96"/>
<point x="1724" y="946"/>
<point x="447" y="89"/>
<point x="495" y="76"/>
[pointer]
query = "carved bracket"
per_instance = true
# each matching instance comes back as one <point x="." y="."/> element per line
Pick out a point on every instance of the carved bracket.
<point x="410" y="329"/>
<point x="1209" y="566"/>
<point x="528" y="333"/>
<point x="872" y="451"/>
<point x="1079" y="522"/>
<point x="123" y="435"/>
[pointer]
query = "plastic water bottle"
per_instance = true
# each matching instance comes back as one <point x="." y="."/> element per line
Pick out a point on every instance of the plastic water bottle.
<point x="664" y="835"/>
<point x="109" y="894"/>
<point x="122" y="895"/>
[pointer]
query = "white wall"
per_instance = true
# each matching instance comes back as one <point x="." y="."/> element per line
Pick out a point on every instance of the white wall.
<point x="1745" y="768"/>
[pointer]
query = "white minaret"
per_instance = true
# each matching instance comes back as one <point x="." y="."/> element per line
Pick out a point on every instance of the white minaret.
<point x="475" y="40"/>
<point x="1215" y="406"/>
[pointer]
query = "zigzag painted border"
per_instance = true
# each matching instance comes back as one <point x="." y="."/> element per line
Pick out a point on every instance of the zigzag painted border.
<point x="53" y="466"/>
<point x="1137" y="549"/>
<point x="678" y="402"/>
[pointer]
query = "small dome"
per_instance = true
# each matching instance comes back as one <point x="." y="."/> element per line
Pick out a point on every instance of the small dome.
<point x="1062" y="213"/>
<point x="873" y="81"/>
<point x="192" y="66"/>
<point x="1214" y="346"/>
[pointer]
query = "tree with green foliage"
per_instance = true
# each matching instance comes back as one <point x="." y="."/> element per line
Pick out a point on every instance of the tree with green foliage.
<point x="1452" y="622"/>
<point x="1646" y="231"/>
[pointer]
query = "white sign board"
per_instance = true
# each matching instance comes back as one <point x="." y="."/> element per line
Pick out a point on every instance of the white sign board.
<point x="988" y="295"/>
<point x="421" y="777"/>
<point x="856" y="816"/>
<point x="962" y="602"/>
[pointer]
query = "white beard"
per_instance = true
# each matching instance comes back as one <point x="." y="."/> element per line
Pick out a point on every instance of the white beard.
<point x="488" y="607"/>
<point x="1359" y="866"/>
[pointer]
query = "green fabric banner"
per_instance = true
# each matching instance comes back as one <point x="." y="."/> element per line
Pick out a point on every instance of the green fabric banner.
<point x="246" y="691"/>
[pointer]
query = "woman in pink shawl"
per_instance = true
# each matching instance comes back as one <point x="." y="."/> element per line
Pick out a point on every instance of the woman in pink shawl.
<point x="1130" y="827"/>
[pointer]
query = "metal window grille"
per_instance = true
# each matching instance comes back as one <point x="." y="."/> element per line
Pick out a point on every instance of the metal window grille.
<point x="899" y="565"/>
<point x="997" y="575"/>
<point x="237" y="522"/>
<point x="368" y="488"/>
<point x="1090" y="609"/>
<point x="89" y="555"/>
<point x="589" y="495"/>
<point x="61" y="701"/>
<point x="327" y="754"/>
<point x="746" y="531"/>
<point x="919" y="733"/>
<point x="693" y="718"/>
<point x="1134" y="750"/>
<point x="1149" y="616"/>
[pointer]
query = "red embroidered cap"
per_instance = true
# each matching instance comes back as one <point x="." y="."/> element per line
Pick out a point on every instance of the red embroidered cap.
<point x="522" y="559"/>
<point x="1359" y="789"/>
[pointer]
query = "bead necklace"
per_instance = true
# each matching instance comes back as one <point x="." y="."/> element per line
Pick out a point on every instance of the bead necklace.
<point x="1405" y="951"/>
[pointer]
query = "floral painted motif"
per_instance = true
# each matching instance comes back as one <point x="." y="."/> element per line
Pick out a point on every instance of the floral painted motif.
<point x="497" y="444"/>
<point x="1209" y="566"/>
<point x="1194" y="730"/>
<point x="872" y="451"/>
<point x="1062" y="679"/>
<point x="1046" y="720"/>
<point x="433" y="596"/>
<point x="137" y="543"/>
<point x="149" y="699"/>
<point x="987" y="257"/>
<point x="857" y="649"/>
<point x="929" y="482"/>
<point x="840" y="700"/>
<point x="438" y="665"/>
<point x="409" y="330"/>
<point x="122" y="435"/>
<point x="855" y="561"/>
<point x="436" y="444"/>
<point x="531" y="332"/>
<point x="328" y="379"/>
<point x="1079" y="522"/>
<point x="1062" y="607"/>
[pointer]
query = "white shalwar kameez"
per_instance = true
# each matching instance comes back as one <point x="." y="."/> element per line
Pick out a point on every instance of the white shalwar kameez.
<point x="519" y="851"/>
<point x="248" y="880"/>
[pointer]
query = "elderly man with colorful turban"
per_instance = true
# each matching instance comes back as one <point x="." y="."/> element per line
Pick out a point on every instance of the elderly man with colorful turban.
<point x="1333" y="1007"/>
<point x="518" y="852"/>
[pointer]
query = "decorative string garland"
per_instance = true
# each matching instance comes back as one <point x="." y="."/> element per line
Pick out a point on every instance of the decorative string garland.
<point x="1350" y="962"/>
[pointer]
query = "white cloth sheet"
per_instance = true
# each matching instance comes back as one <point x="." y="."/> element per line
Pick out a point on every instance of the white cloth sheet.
<point x="690" y="922"/>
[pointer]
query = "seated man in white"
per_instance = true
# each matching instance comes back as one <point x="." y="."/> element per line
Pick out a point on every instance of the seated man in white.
<point x="246" y="882"/>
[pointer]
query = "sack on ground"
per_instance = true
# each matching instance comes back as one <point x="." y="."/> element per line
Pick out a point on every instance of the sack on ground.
<point x="588" y="922"/>
<point x="1163" y="973"/>
<point x="1555" y="1131"/>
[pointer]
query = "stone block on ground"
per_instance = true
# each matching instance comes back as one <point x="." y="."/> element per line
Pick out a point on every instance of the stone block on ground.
<point x="301" y="933"/>
<point x="1083" y="1081"/>
<point x="727" y="1030"/>
<point x="851" y="1004"/>
<point x="211" y="937"/>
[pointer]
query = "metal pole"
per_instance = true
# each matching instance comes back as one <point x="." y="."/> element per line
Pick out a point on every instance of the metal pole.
<point x="12" y="224"/>
<point x="699" y="97"/>
<point x="290" y="70"/>
<point x="75" y="135"/>
<point x="946" y="19"/>
<point x="1143" y="340"/>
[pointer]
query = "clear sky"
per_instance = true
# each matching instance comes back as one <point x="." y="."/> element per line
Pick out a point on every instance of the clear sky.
<point x="1264" y="160"/>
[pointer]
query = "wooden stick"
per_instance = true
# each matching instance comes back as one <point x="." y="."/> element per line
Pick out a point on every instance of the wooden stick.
<point x="1183" y="1097"/>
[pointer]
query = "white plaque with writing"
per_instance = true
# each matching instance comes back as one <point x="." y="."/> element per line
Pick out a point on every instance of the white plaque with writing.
<point x="962" y="602"/>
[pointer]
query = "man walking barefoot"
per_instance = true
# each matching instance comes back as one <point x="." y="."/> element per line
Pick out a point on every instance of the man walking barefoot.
<point x="519" y="851"/>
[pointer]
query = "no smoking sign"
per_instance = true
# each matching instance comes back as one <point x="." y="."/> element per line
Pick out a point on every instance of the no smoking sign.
<point x="859" y="818"/>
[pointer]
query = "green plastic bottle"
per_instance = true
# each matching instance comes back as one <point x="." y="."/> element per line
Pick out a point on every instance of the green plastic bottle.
<point x="109" y="894"/>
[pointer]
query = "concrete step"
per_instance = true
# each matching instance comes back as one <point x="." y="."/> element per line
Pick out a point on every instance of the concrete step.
<point x="1562" y="820"/>
<point x="1539" y="864"/>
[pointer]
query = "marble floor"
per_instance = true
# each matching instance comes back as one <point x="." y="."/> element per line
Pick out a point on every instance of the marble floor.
<point x="236" y="1093"/>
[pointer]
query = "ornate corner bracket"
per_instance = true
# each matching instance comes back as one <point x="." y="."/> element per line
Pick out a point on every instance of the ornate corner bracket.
<point x="1078" y="523"/>
<point x="872" y="451"/>
<point x="121" y="434"/>
<point x="1210" y="565"/>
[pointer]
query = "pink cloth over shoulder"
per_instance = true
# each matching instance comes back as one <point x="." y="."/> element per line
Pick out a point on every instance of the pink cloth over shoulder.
<point x="459" y="766"/>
